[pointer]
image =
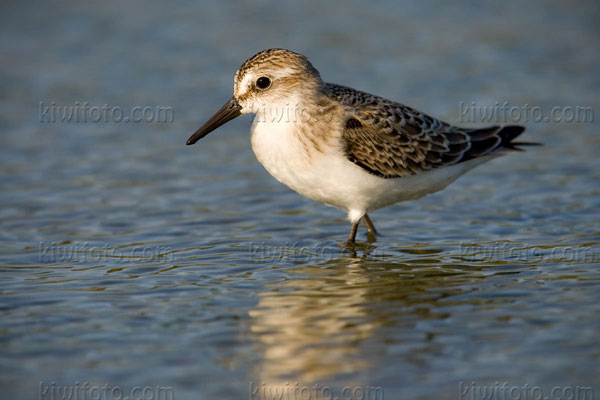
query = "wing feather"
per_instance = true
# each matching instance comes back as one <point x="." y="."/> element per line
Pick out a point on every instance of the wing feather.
<point x="391" y="140"/>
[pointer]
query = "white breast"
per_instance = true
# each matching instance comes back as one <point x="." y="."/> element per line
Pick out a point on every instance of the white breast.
<point x="279" y="149"/>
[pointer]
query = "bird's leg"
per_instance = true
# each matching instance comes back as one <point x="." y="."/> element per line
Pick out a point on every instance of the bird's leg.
<point x="370" y="226"/>
<point x="352" y="237"/>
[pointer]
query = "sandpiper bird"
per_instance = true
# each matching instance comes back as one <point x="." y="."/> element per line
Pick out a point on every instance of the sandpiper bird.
<point x="347" y="148"/>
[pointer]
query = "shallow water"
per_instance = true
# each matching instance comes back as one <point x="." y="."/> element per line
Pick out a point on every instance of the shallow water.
<point x="129" y="259"/>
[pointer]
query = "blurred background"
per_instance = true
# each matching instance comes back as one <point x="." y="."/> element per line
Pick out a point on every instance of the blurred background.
<point x="131" y="260"/>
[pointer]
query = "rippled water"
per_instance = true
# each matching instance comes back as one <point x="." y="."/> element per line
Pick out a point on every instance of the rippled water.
<point x="129" y="259"/>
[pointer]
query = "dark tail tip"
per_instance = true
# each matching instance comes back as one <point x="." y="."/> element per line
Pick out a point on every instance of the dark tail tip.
<point x="509" y="133"/>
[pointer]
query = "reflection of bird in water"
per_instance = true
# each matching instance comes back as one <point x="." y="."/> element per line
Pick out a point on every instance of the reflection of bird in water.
<point x="313" y="329"/>
<point x="308" y="329"/>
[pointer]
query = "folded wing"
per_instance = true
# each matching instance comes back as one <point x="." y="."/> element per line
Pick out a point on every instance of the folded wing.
<point x="391" y="140"/>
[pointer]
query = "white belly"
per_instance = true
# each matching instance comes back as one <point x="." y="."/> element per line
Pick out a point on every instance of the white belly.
<point x="328" y="177"/>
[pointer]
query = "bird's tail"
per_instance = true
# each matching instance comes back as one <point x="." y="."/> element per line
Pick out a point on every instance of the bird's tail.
<point x="508" y="133"/>
<point x="492" y="138"/>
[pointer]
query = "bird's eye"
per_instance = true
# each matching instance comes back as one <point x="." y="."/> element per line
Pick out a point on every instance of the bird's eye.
<point x="263" y="82"/>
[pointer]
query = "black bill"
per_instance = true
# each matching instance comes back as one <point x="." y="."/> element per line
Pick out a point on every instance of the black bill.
<point x="229" y="111"/>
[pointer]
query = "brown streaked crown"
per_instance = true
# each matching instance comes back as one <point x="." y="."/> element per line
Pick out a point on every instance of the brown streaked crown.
<point x="277" y="59"/>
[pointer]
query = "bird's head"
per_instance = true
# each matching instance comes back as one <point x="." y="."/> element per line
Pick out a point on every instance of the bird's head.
<point x="271" y="78"/>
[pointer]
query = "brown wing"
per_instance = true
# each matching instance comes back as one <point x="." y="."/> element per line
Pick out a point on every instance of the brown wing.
<point x="391" y="140"/>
